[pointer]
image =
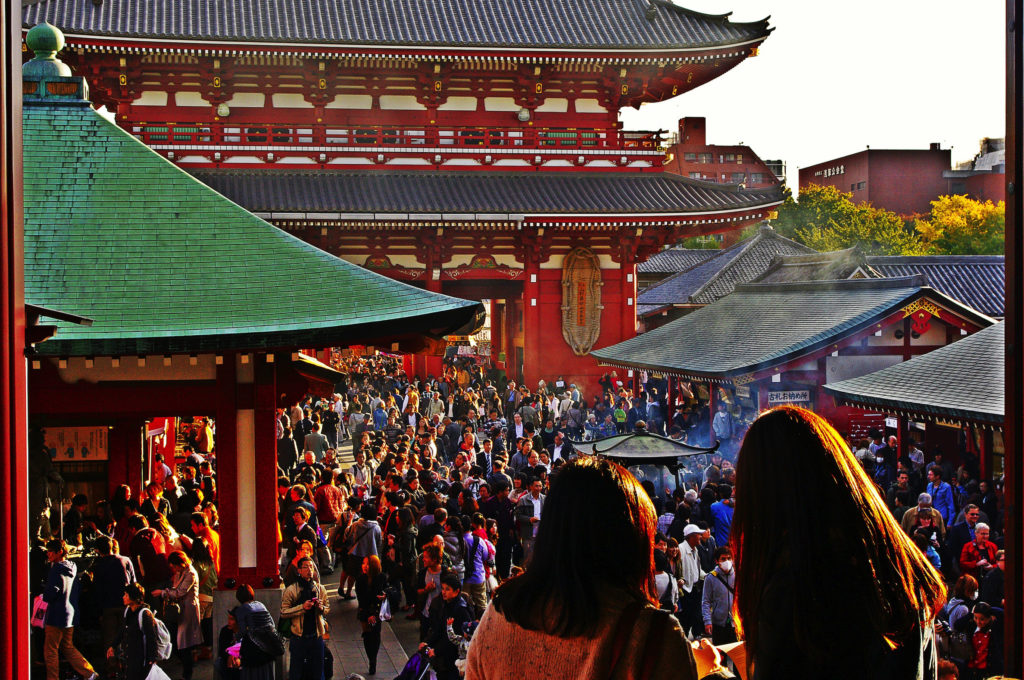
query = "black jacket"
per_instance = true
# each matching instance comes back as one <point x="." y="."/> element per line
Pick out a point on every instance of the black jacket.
<point x="445" y="653"/>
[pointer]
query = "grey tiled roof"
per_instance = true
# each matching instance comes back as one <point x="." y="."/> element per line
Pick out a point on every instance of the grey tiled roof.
<point x="978" y="281"/>
<point x="674" y="260"/>
<point x="716" y="276"/>
<point x="960" y="381"/>
<point x="526" y="193"/>
<point x="830" y="266"/>
<point x="616" y="24"/>
<point x="763" y="325"/>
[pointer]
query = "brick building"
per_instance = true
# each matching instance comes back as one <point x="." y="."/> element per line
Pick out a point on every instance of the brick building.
<point x="904" y="181"/>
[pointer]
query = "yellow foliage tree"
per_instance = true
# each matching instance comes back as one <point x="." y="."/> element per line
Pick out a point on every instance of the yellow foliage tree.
<point x="958" y="225"/>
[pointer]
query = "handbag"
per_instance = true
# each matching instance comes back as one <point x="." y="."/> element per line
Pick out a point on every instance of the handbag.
<point x="171" y="614"/>
<point x="38" y="612"/>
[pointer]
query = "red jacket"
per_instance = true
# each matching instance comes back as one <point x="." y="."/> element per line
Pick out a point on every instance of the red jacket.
<point x="971" y="554"/>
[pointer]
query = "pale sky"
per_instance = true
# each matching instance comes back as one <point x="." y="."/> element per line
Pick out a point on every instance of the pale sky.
<point x="834" y="78"/>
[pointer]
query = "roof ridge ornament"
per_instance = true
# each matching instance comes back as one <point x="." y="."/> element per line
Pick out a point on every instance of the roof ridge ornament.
<point x="45" y="78"/>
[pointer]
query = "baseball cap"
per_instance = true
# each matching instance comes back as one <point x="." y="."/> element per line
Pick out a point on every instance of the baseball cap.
<point x="692" y="529"/>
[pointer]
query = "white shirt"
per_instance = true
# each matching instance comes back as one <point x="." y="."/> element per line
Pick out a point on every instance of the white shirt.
<point x="556" y="452"/>
<point x="690" y="566"/>
<point x="536" y="512"/>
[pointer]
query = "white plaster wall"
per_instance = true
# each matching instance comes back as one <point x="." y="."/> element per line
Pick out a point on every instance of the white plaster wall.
<point x="289" y="100"/>
<point x="151" y="98"/>
<point x="400" y="102"/>
<point x="351" y="101"/>
<point x="501" y="104"/>
<point x="554" y="105"/>
<point x="458" y="104"/>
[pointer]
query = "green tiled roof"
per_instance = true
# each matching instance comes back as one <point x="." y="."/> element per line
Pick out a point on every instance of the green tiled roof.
<point x="163" y="264"/>
<point x="763" y="325"/>
<point x="962" y="381"/>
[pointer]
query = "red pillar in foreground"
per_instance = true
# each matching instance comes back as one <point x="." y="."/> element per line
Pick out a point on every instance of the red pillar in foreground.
<point x="14" y="538"/>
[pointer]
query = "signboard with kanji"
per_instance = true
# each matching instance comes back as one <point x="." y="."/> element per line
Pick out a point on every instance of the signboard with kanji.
<point x="789" y="397"/>
<point x="77" y="443"/>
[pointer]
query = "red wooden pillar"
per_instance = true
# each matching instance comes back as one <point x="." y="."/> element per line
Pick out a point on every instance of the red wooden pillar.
<point x="433" y="284"/>
<point x="14" y="535"/>
<point x="712" y="409"/>
<point x="531" y="323"/>
<point x="985" y="454"/>
<point x="227" y="467"/>
<point x="627" y="282"/>
<point x="264" y="503"/>
<point x="496" y="331"/>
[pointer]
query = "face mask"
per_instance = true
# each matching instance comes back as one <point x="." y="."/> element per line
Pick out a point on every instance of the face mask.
<point x="974" y="595"/>
<point x="879" y="460"/>
<point x="726" y="565"/>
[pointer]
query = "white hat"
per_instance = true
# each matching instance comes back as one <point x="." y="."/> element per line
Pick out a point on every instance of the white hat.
<point x="692" y="529"/>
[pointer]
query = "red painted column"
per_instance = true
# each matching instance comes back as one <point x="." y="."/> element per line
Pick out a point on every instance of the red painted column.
<point x="265" y="502"/>
<point x="227" y="468"/>
<point x="627" y="282"/>
<point x="531" y="323"/>
<point x="496" y="331"/>
<point x="14" y="535"/>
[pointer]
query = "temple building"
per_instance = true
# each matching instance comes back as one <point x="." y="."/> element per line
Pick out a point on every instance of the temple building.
<point x="151" y="296"/>
<point x="465" y="147"/>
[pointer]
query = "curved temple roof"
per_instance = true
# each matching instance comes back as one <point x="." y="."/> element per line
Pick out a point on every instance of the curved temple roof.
<point x="962" y="381"/>
<point x="510" y="24"/>
<point x="527" y="193"/>
<point x="163" y="264"/>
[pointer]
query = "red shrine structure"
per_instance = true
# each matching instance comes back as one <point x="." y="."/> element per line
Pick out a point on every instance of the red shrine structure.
<point x="468" y="147"/>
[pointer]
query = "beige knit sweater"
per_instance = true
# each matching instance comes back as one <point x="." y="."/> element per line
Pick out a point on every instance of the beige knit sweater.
<point x="505" y="651"/>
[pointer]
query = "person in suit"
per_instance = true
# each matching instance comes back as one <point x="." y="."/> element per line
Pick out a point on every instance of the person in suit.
<point x="561" y="448"/>
<point x="528" y="514"/>
<point x="315" y="442"/>
<point x="961" y="534"/>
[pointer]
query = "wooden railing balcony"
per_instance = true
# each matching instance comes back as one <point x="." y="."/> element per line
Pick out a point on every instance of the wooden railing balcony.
<point x="219" y="142"/>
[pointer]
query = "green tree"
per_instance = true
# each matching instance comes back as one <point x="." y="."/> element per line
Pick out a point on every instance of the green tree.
<point x="958" y="225"/>
<point x="825" y="218"/>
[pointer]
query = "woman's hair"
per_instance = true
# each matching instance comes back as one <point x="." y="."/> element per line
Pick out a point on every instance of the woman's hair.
<point x="596" y="539"/>
<point x="245" y="594"/>
<point x="965" y="587"/>
<point x="179" y="558"/>
<point x="374" y="568"/>
<point x="135" y="592"/>
<point x="820" y="520"/>
<point x="201" y="552"/>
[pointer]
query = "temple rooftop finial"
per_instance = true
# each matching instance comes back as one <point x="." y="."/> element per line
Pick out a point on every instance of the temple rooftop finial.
<point x="45" y="40"/>
<point x="45" y="78"/>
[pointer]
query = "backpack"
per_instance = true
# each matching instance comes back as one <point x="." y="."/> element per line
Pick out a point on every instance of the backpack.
<point x="163" y="637"/>
<point x="952" y="644"/>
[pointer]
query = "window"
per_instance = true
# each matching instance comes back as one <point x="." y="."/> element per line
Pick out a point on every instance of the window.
<point x="704" y="158"/>
<point x="853" y="187"/>
<point x="694" y="175"/>
<point x="861" y="185"/>
<point x="738" y="177"/>
<point x="739" y="159"/>
<point x="730" y="157"/>
<point x="690" y="157"/>
<point x="757" y="178"/>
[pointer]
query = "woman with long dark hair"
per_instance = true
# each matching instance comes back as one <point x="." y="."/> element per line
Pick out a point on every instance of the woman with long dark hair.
<point x="827" y="583"/>
<point x="370" y="585"/>
<point x="586" y="607"/>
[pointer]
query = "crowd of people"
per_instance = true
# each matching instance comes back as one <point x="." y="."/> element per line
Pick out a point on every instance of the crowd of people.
<point x="442" y="507"/>
<point x="130" y="566"/>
